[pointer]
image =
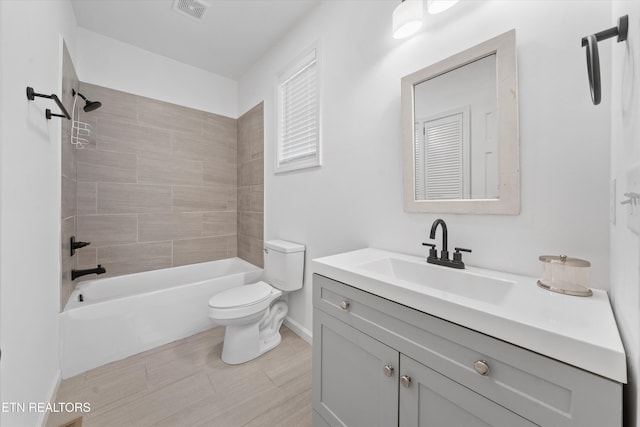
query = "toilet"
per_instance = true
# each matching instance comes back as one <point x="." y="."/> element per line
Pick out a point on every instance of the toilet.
<point x="253" y="314"/>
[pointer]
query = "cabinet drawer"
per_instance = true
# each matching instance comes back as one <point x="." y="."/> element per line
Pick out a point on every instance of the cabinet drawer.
<point x="536" y="387"/>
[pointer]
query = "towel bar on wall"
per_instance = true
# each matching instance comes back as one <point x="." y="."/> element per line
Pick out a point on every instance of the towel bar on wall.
<point x="593" y="57"/>
<point x="31" y="94"/>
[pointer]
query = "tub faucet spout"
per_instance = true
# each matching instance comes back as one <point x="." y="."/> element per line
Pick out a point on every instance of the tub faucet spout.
<point x="78" y="273"/>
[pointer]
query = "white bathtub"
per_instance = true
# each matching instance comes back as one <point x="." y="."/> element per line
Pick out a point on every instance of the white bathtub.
<point x="124" y="315"/>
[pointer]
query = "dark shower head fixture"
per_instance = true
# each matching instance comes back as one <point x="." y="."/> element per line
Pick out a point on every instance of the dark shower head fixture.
<point x="88" y="105"/>
<point x="593" y="57"/>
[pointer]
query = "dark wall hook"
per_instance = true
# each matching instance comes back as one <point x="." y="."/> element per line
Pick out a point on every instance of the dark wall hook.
<point x="593" y="57"/>
<point x="31" y="94"/>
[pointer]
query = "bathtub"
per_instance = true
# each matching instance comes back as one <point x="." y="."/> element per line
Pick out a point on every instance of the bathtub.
<point x="113" y="318"/>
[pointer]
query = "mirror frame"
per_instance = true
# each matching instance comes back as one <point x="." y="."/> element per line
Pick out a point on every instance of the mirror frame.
<point x="504" y="47"/>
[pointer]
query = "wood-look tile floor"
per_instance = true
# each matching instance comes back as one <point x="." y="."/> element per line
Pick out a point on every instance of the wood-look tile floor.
<point x="185" y="383"/>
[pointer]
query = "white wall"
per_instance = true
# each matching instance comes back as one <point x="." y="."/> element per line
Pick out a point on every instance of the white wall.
<point x="355" y="199"/>
<point x="111" y="63"/>
<point x="30" y="201"/>
<point x="1" y="145"/>
<point x="625" y="153"/>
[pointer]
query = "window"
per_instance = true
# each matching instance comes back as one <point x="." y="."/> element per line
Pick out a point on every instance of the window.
<point x="298" y="141"/>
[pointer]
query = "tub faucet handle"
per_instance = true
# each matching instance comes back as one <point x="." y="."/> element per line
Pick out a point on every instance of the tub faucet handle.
<point x="74" y="245"/>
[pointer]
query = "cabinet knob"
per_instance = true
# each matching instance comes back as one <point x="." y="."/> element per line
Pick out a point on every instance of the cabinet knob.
<point x="344" y="305"/>
<point x="481" y="367"/>
<point x="388" y="370"/>
<point x="405" y="380"/>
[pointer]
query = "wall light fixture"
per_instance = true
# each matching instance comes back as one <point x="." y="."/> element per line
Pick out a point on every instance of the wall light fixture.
<point x="437" y="6"/>
<point x="407" y="18"/>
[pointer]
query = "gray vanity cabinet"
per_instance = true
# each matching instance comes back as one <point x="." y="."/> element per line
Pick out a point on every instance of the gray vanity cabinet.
<point x="379" y="363"/>
<point x="359" y="387"/>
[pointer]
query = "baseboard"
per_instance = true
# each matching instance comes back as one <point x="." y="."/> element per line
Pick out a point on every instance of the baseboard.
<point x="44" y="415"/>
<point x="298" y="329"/>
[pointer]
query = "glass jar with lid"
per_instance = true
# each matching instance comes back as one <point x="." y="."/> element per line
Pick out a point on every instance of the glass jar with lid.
<point x="565" y="275"/>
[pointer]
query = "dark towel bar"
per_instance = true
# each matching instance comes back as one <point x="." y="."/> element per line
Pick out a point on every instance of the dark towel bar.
<point x="593" y="57"/>
<point x="31" y="94"/>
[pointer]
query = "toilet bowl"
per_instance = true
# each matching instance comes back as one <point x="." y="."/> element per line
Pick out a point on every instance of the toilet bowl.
<point x="253" y="314"/>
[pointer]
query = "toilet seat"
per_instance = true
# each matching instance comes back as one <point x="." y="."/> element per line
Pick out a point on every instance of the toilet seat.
<point x="242" y="302"/>
<point x="241" y="296"/>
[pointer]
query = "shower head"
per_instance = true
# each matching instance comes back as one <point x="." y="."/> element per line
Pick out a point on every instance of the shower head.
<point x="89" y="105"/>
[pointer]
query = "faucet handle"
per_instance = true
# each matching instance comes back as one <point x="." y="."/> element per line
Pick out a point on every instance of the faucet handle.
<point x="433" y="253"/>
<point x="457" y="256"/>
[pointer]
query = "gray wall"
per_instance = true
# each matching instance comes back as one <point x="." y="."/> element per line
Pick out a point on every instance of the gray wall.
<point x="159" y="185"/>
<point x="156" y="185"/>
<point x="251" y="185"/>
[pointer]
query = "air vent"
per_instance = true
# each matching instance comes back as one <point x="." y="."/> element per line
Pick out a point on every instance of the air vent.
<point x="192" y="8"/>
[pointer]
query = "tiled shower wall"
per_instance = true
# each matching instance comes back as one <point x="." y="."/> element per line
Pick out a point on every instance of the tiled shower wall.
<point x="157" y="185"/>
<point x="68" y="181"/>
<point x="251" y="185"/>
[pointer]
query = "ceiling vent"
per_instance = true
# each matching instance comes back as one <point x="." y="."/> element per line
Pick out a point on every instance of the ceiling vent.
<point x="192" y="8"/>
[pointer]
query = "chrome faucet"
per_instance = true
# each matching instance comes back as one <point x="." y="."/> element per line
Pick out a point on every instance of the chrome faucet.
<point x="433" y="258"/>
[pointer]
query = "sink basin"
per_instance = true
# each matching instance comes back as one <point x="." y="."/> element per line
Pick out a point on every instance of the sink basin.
<point x="442" y="279"/>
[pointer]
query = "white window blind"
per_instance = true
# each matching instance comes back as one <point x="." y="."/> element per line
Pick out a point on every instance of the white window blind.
<point x="298" y="116"/>
<point x="443" y="158"/>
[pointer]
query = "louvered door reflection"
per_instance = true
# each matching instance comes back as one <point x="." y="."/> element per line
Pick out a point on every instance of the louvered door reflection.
<point x="443" y="158"/>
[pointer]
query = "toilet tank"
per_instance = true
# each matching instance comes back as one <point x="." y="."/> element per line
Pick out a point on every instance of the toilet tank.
<point x="284" y="264"/>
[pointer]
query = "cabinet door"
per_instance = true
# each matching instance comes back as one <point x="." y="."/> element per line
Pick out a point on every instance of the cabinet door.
<point x="433" y="400"/>
<point x="351" y="386"/>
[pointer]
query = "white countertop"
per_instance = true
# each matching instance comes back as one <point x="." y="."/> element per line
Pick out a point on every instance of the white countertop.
<point x="580" y="331"/>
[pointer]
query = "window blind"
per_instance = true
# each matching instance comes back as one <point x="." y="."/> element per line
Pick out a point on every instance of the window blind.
<point x="443" y="141"/>
<point x="299" y="119"/>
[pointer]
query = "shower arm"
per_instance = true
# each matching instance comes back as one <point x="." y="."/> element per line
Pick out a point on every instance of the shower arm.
<point x="593" y="57"/>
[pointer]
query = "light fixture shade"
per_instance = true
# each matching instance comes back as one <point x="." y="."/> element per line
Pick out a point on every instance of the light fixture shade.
<point x="437" y="6"/>
<point x="407" y="18"/>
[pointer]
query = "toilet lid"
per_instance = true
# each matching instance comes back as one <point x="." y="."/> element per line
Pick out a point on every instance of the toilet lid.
<point x="241" y="295"/>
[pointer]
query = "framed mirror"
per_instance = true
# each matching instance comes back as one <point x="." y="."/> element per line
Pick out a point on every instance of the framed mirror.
<point x="460" y="132"/>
